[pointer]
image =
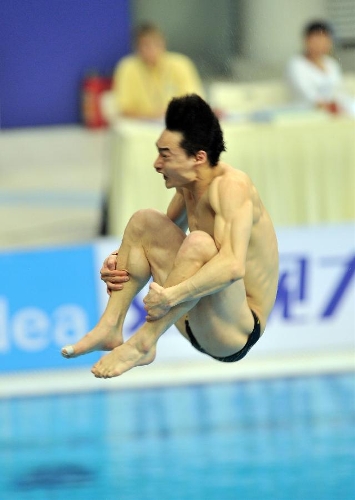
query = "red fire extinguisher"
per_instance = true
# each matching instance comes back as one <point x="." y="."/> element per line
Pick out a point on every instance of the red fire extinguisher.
<point x="93" y="86"/>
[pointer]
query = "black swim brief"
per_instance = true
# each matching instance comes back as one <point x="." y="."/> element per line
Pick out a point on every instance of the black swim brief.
<point x="254" y="336"/>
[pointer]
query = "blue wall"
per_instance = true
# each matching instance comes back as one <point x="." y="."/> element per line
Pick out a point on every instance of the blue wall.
<point x="47" y="46"/>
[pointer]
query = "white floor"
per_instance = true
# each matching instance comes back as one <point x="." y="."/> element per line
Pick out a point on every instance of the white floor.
<point x="52" y="181"/>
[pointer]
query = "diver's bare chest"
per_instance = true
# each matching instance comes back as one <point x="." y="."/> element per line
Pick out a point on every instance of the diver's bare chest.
<point x="200" y="218"/>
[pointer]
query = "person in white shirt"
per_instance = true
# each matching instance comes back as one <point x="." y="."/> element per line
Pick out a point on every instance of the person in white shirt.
<point x="315" y="77"/>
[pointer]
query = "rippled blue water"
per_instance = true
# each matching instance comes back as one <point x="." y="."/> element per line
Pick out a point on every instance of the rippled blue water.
<point x="278" y="439"/>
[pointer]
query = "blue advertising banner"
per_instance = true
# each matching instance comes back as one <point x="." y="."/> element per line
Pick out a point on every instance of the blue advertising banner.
<point x="48" y="298"/>
<point x="314" y="310"/>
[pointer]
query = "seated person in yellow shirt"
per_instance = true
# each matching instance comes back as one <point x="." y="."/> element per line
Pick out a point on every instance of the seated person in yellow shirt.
<point x="145" y="82"/>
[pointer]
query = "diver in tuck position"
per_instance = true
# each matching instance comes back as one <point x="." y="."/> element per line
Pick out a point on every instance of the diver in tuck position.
<point x="217" y="283"/>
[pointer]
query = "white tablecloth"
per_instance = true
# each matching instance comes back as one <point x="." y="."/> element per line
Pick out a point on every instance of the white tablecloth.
<point x="302" y="166"/>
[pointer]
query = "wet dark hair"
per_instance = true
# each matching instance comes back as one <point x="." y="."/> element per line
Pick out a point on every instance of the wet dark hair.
<point x="194" y="119"/>
<point x="317" y="27"/>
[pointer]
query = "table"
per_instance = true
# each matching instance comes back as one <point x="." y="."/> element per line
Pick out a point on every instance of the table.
<point x="133" y="181"/>
<point x="303" y="166"/>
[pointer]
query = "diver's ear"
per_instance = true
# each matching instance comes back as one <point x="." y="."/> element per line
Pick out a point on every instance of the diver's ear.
<point x="201" y="157"/>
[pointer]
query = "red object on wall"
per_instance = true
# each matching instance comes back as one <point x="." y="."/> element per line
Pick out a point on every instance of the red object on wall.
<point x="92" y="88"/>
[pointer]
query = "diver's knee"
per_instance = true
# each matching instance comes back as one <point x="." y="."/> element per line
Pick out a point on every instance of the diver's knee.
<point x="198" y="245"/>
<point x="145" y="219"/>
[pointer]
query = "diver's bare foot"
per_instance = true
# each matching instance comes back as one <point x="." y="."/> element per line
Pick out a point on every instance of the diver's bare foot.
<point x="103" y="337"/>
<point x="122" y="359"/>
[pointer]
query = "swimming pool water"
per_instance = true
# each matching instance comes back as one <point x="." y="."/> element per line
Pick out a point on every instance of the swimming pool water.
<point x="276" y="439"/>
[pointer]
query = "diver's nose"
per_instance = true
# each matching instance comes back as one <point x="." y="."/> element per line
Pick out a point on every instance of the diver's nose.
<point x="158" y="163"/>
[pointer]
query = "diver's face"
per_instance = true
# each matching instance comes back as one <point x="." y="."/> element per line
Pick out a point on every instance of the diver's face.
<point x="177" y="168"/>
